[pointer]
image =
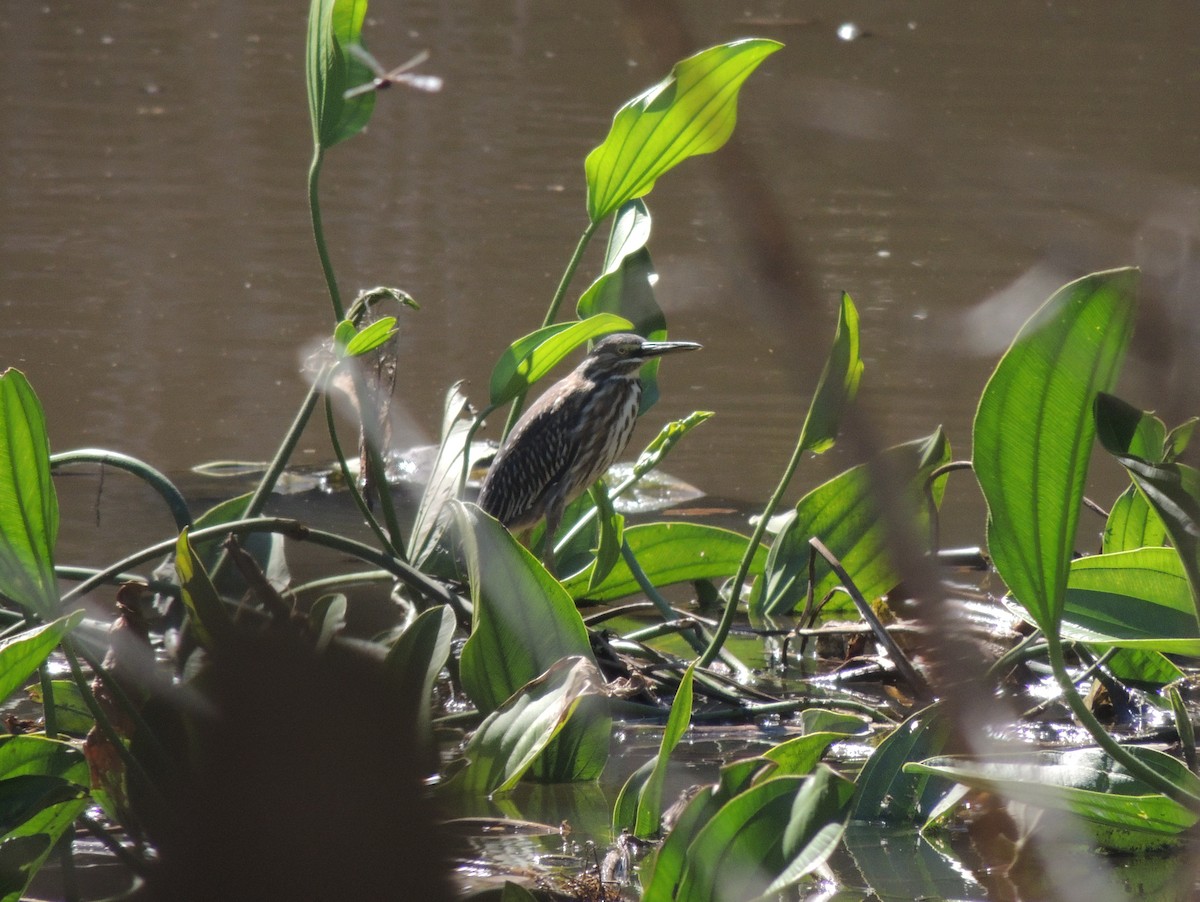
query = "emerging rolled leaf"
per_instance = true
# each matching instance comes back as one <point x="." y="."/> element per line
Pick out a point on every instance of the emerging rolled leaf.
<point x="692" y="111"/>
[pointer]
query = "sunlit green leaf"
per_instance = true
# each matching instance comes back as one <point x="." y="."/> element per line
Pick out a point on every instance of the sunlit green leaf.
<point x="528" y="359"/>
<point x="524" y="622"/>
<point x="72" y="715"/>
<point x="1130" y="816"/>
<point x="210" y="620"/>
<point x="844" y="514"/>
<point x="1034" y="429"/>
<point x="1131" y="599"/>
<point x="838" y="385"/>
<point x="1172" y="489"/>
<point x="28" y="502"/>
<point x="515" y="734"/>
<point x="1132" y="523"/>
<point x="669" y="553"/>
<point x="371" y="337"/>
<point x="330" y="71"/>
<point x="690" y="112"/>
<point x="23" y="653"/>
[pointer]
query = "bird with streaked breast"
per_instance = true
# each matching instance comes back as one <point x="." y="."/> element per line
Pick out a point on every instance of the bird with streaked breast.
<point x="571" y="435"/>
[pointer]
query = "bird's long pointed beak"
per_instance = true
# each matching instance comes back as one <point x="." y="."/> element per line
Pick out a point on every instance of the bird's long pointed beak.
<point x="658" y="348"/>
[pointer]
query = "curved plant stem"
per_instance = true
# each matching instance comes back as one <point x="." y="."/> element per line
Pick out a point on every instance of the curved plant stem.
<point x="152" y="477"/>
<point x="49" y="712"/>
<point x="739" y="579"/>
<point x="292" y="529"/>
<point x="569" y="273"/>
<point x="266" y="485"/>
<point x="1104" y="739"/>
<point x="314" y="208"/>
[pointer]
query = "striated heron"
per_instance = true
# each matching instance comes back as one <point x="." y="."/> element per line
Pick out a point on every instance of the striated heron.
<point x="571" y="435"/>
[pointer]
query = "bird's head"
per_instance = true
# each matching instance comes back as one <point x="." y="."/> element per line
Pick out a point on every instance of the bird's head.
<point x="624" y="353"/>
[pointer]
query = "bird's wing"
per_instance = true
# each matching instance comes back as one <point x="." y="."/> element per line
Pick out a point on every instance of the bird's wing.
<point x="535" y="456"/>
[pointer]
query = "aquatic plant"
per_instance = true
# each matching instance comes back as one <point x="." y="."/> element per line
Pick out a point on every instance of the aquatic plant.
<point x="150" y="744"/>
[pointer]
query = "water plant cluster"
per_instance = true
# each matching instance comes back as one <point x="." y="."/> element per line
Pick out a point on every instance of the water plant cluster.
<point x="162" y="735"/>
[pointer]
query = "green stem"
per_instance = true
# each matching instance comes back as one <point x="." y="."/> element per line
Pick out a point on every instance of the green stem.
<point x="514" y="412"/>
<point x="1104" y="739"/>
<point x="314" y="208"/>
<point x="49" y="713"/>
<point x="569" y="273"/>
<point x="266" y="485"/>
<point x="292" y="529"/>
<point x="739" y="580"/>
<point x="152" y="477"/>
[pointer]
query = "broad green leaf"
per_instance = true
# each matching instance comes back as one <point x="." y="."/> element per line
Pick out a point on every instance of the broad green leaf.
<point x="330" y="71"/>
<point x="1131" y="599"/>
<point x="765" y="839"/>
<point x="28" y="502"/>
<point x="530" y="358"/>
<point x="71" y="712"/>
<point x="1172" y="489"/>
<point x="692" y="111"/>
<point x="22" y="654"/>
<point x="668" y="553"/>
<point x="512" y="737"/>
<point x="209" y="618"/>
<point x="838" y="385"/>
<point x="886" y="792"/>
<point x="1143" y="669"/>
<point x="645" y="791"/>
<point x="524" y="622"/>
<point x="1034" y="428"/>
<point x="844" y="514"/>
<point x="60" y="777"/>
<point x="626" y="288"/>
<point x="1132" y="523"/>
<point x="416" y="659"/>
<point x="1127" y="815"/>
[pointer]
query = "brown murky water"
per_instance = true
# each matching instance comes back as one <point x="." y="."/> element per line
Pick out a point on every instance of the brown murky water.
<point x="948" y="167"/>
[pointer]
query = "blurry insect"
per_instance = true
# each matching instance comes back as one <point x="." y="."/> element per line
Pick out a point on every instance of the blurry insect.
<point x="398" y="76"/>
